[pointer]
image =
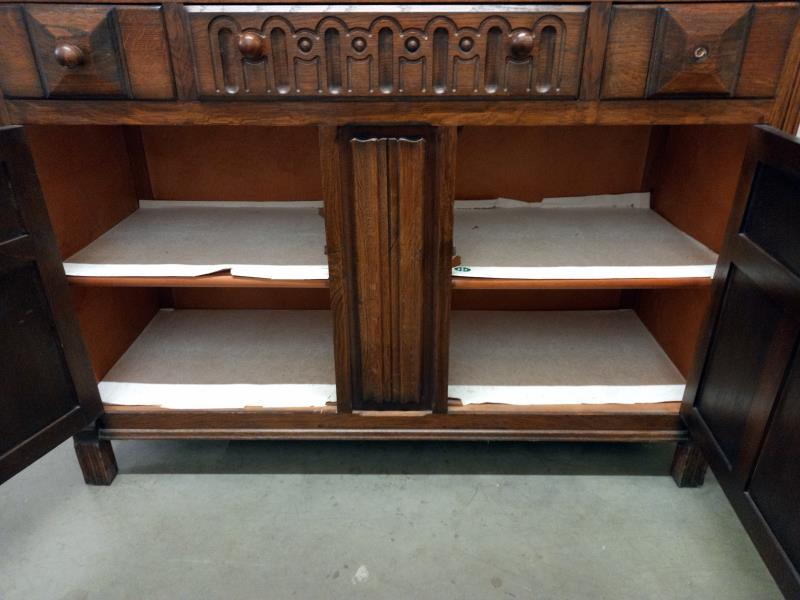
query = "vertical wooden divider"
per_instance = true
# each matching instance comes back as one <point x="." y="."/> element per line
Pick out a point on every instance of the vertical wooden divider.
<point x="388" y="212"/>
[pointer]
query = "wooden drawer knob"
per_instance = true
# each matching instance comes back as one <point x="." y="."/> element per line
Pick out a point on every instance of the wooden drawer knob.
<point x="521" y="44"/>
<point x="251" y="45"/>
<point x="69" y="55"/>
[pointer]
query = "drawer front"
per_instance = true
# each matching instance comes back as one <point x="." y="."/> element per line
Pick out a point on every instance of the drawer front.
<point x="374" y="51"/>
<point x="719" y="50"/>
<point x="84" y="51"/>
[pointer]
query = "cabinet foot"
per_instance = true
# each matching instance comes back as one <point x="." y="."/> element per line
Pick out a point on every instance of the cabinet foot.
<point x="96" y="458"/>
<point x="689" y="466"/>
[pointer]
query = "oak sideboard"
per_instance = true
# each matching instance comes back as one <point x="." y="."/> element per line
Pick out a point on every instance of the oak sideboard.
<point x="524" y="221"/>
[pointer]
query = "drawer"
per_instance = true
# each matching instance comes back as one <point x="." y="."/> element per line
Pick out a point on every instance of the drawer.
<point x="58" y="51"/>
<point x="716" y="50"/>
<point x="368" y="50"/>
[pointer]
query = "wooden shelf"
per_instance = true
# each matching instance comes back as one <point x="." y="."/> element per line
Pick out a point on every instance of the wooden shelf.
<point x="227" y="359"/>
<point x="216" y="281"/>
<point x="481" y="283"/>
<point x="226" y="244"/>
<point x="548" y="246"/>
<point x="583" y="358"/>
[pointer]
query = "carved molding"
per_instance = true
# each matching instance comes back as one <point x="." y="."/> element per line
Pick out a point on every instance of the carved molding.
<point x="250" y="55"/>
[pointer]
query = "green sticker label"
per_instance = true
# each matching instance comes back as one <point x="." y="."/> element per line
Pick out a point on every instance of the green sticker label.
<point x="462" y="269"/>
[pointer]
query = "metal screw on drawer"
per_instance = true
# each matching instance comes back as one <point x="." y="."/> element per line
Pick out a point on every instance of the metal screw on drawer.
<point x="304" y="44"/>
<point x="359" y="44"/>
<point x="700" y="53"/>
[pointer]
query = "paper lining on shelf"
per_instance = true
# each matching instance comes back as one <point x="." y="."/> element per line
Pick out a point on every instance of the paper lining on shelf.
<point x="217" y="396"/>
<point x="613" y="236"/>
<point x="530" y="358"/>
<point x="266" y="240"/>
<point x="227" y="359"/>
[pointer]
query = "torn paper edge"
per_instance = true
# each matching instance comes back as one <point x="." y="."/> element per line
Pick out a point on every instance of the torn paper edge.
<point x="180" y="270"/>
<point x="209" y="396"/>
<point x="229" y="204"/>
<point x="631" y="200"/>
<point x="595" y="272"/>
<point x="540" y="395"/>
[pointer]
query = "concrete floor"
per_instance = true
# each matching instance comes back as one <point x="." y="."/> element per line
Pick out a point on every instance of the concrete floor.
<point x="373" y="520"/>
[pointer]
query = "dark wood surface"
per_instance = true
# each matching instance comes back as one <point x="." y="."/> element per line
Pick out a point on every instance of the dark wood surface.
<point x="389" y="196"/>
<point x="47" y="389"/>
<point x="95" y="457"/>
<point x="640" y="423"/>
<point x="741" y="399"/>
<point x="85" y="52"/>
<point x="252" y="53"/>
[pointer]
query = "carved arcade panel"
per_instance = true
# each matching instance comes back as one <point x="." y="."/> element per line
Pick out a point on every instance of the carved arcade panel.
<point x="528" y="51"/>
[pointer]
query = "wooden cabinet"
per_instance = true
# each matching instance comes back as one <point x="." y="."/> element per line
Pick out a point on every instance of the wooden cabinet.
<point x="455" y="222"/>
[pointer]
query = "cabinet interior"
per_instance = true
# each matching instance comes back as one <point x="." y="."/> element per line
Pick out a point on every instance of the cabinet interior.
<point x="94" y="177"/>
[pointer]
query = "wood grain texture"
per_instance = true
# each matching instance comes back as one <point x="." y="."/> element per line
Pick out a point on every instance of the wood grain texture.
<point x="688" y="465"/>
<point x="698" y="50"/>
<point x="144" y="43"/>
<point x="100" y="70"/>
<point x="434" y="112"/>
<point x="95" y="457"/>
<point x="47" y="390"/>
<point x="595" y="53"/>
<point x="389" y="53"/>
<point x="648" y="423"/>
<point x="180" y="50"/>
<point x="746" y="359"/>
<point x="388" y="194"/>
<point x="18" y="75"/>
<point x="742" y="48"/>
<point x="249" y="298"/>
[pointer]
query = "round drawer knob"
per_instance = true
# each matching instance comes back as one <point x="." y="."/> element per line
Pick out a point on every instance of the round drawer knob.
<point x="251" y="45"/>
<point x="466" y="44"/>
<point x="69" y="55"/>
<point x="412" y="44"/>
<point x="521" y="44"/>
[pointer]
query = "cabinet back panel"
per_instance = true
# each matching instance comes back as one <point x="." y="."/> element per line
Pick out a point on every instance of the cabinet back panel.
<point x="531" y="163"/>
<point x="240" y="298"/>
<point x="233" y="163"/>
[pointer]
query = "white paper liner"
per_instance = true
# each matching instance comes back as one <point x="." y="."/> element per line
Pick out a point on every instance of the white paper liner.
<point x="558" y="357"/>
<point x="204" y="359"/>
<point x="267" y="240"/>
<point x="592" y="237"/>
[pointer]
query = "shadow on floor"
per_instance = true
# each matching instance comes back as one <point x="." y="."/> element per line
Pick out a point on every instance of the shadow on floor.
<point x="374" y="458"/>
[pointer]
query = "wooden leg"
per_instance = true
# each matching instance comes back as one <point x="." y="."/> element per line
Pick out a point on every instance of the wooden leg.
<point x="689" y="466"/>
<point x="96" y="457"/>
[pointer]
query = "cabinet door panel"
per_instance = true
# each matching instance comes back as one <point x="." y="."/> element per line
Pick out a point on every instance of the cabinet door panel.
<point x="47" y="389"/>
<point x="775" y="484"/>
<point x="742" y="401"/>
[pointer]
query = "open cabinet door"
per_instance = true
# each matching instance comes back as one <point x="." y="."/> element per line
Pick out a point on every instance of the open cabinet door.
<point x="47" y="389"/>
<point x="742" y="402"/>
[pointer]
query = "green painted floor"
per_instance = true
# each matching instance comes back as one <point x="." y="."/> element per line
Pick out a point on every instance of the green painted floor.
<point x="311" y="520"/>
